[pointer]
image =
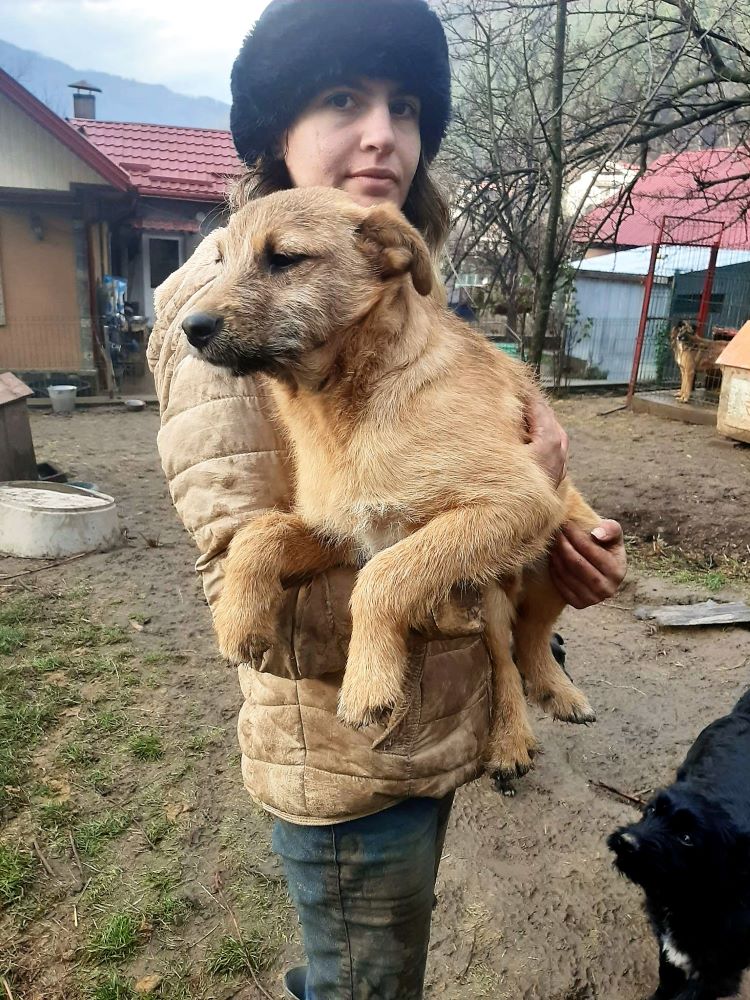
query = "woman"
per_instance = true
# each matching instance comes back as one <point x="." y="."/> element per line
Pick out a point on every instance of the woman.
<point x="352" y="94"/>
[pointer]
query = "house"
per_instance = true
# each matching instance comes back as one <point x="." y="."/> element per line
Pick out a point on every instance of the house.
<point x="688" y="198"/>
<point x="57" y="193"/>
<point x="178" y="178"/>
<point x="81" y="200"/>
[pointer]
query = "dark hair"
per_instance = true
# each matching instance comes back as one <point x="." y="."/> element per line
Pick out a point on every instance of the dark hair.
<point x="425" y="207"/>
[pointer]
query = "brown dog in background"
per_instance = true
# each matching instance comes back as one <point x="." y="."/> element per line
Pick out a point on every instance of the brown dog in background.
<point x="693" y="354"/>
<point x="407" y="433"/>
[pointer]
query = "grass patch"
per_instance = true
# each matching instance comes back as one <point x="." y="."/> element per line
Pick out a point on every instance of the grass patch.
<point x="54" y="816"/>
<point x="77" y="753"/>
<point x="57" y="637"/>
<point x="90" y="837"/>
<point x="26" y="712"/>
<point x="12" y="637"/>
<point x="146" y="746"/>
<point x="79" y="631"/>
<point x="101" y="778"/>
<point x="111" y="987"/>
<point x="695" y="570"/>
<point x="17" y="870"/>
<point x="157" y="829"/>
<point x="199" y="743"/>
<point x="233" y="957"/>
<point x="102" y="885"/>
<point x="115" y="939"/>
<point x="163" y="657"/>
<point x="109" y="721"/>
<point x="47" y="663"/>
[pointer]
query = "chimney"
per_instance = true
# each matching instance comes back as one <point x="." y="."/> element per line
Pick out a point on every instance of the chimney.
<point x="84" y="102"/>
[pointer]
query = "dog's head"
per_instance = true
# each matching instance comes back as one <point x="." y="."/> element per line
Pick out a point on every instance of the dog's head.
<point x="684" y="332"/>
<point x="684" y="840"/>
<point x="298" y="269"/>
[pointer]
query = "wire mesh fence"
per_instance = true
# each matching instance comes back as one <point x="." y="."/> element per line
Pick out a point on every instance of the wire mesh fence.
<point x="625" y="305"/>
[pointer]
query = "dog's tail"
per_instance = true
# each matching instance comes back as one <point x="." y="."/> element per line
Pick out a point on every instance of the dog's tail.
<point x="743" y="705"/>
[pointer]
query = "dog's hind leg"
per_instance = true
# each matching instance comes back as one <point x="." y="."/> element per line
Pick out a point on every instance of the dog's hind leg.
<point x="546" y="684"/>
<point x="511" y="745"/>
<point x="270" y="551"/>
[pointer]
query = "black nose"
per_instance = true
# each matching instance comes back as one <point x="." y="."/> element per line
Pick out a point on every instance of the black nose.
<point x="202" y="327"/>
<point x="623" y="842"/>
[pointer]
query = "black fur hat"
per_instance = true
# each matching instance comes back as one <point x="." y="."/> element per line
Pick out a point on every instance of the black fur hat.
<point x="299" y="47"/>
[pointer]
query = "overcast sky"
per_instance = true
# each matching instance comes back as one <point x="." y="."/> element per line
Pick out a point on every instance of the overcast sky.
<point x="188" y="45"/>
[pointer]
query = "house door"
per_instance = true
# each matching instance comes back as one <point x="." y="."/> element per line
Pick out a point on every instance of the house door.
<point x="161" y="256"/>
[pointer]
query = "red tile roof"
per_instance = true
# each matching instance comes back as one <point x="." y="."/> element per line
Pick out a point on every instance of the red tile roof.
<point x="75" y="142"/>
<point x="166" y="161"/>
<point x="701" y="194"/>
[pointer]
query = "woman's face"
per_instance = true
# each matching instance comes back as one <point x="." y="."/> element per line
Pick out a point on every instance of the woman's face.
<point x="360" y="137"/>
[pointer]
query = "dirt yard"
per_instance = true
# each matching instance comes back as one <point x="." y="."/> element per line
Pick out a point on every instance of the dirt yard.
<point x="129" y="849"/>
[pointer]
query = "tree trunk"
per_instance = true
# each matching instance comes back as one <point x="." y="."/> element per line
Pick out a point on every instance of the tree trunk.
<point x="549" y="263"/>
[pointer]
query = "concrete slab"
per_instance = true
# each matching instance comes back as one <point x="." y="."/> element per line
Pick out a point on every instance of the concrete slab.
<point x="90" y="402"/>
<point x="663" y="404"/>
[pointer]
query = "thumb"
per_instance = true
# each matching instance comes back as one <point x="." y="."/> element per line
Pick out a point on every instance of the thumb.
<point x="607" y="532"/>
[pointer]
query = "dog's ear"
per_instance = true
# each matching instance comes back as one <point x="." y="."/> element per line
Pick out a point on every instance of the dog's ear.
<point x="395" y="247"/>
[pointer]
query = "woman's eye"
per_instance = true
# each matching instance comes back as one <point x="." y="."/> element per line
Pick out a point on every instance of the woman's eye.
<point x="342" y="101"/>
<point x="404" y="109"/>
<point x="284" y="261"/>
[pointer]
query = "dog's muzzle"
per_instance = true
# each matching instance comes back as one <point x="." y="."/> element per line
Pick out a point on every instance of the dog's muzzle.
<point x="201" y="328"/>
<point x="623" y="843"/>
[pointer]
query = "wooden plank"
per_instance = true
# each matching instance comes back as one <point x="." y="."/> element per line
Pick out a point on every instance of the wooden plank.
<point x="705" y="613"/>
<point x="12" y="388"/>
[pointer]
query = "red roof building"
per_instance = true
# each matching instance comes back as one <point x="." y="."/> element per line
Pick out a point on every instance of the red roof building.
<point x="698" y="197"/>
<point x="166" y="161"/>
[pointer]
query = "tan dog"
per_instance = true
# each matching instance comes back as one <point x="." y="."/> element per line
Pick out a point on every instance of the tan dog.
<point x="693" y="354"/>
<point x="407" y="433"/>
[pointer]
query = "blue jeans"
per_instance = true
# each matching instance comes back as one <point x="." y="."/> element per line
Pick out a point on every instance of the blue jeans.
<point x="364" y="892"/>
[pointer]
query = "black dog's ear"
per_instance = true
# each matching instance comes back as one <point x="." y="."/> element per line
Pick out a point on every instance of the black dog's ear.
<point x="395" y="247"/>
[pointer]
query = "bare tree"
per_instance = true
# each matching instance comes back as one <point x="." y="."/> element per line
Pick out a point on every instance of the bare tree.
<point x="550" y="90"/>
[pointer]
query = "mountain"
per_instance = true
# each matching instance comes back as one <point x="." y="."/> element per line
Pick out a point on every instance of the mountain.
<point x="121" y="100"/>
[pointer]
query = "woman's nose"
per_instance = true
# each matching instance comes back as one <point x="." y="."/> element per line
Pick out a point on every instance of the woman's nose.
<point x="377" y="129"/>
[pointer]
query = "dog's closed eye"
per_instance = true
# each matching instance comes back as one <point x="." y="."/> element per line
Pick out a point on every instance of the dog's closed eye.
<point x="278" y="262"/>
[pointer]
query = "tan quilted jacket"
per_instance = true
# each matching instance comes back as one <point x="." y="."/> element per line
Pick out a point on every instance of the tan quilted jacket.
<point x="224" y="462"/>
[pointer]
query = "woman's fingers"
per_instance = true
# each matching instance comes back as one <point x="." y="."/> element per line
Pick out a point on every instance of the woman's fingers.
<point x="547" y="439"/>
<point x="588" y="567"/>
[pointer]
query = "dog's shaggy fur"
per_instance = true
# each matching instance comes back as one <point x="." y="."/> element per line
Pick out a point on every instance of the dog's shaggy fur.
<point x="407" y="433"/>
<point x="691" y="855"/>
<point x="693" y="354"/>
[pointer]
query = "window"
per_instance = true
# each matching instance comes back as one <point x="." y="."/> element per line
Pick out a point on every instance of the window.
<point x="164" y="258"/>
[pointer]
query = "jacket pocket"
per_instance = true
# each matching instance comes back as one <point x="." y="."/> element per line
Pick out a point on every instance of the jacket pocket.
<point x="400" y="732"/>
<point x="315" y="627"/>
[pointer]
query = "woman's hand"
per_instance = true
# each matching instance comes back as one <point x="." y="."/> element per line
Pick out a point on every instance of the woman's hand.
<point x="547" y="440"/>
<point x="588" y="567"/>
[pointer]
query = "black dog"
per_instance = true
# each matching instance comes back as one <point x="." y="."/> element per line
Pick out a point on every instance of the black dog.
<point x="691" y="855"/>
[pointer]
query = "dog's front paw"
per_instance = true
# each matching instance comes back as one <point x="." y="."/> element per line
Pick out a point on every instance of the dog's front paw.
<point x="242" y="637"/>
<point x="362" y="705"/>
<point x="373" y="681"/>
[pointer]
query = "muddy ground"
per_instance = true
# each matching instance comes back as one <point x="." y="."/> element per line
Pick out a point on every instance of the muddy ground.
<point x="529" y="904"/>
